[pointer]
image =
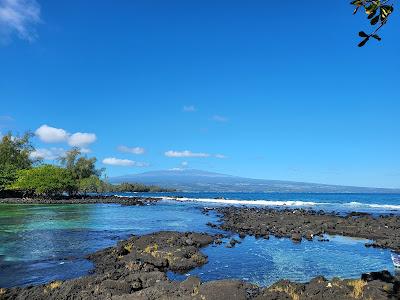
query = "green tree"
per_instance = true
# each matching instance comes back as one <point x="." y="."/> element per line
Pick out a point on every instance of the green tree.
<point x="92" y="184"/>
<point x="378" y="12"/>
<point x="14" y="156"/>
<point x="45" y="180"/>
<point x="80" y="166"/>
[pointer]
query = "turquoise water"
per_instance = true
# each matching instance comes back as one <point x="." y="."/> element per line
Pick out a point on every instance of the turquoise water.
<point x="39" y="243"/>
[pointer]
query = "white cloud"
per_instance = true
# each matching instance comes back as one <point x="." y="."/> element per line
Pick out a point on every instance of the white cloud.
<point x="19" y="17"/>
<point x="189" y="108"/>
<point x="133" y="150"/>
<point x="112" y="161"/>
<point x="185" y="153"/>
<point x="184" y="164"/>
<point x="220" y="156"/>
<point x="49" y="134"/>
<point x="81" y="139"/>
<point x="218" y="118"/>
<point x="48" y="154"/>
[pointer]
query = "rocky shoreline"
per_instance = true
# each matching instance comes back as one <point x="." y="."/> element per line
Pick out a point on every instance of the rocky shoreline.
<point x="83" y="200"/>
<point x="298" y="224"/>
<point x="136" y="269"/>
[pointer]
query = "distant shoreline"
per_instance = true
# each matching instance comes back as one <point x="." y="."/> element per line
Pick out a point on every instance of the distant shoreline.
<point x="129" y="201"/>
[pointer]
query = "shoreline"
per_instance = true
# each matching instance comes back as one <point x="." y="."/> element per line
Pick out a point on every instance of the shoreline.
<point x="136" y="269"/>
<point x="84" y="200"/>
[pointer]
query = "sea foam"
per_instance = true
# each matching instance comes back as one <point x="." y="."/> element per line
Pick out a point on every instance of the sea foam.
<point x="246" y="202"/>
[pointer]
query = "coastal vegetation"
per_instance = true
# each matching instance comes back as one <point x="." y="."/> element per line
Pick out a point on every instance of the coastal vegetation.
<point x="24" y="174"/>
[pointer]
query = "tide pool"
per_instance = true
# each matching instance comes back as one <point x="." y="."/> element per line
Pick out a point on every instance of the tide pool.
<point x="40" y="243"/>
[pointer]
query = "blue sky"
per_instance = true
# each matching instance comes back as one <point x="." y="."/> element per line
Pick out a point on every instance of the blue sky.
<point x="275" y="90"/>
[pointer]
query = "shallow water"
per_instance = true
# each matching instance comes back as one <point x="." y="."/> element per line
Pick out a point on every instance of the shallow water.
<point x="264" y="262"/>
<point x="40" y="243"/>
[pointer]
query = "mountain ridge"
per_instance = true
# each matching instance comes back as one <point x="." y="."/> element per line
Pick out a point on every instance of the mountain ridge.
<point x="192" y="180"/>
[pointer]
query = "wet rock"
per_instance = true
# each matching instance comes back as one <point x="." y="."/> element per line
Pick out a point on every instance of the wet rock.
<point x="129" y="201"/>
<point x="260" y="222"/>
<point x="223" y="289"/>
<point x="309" y="235"/>
<point x="296" y="237"/>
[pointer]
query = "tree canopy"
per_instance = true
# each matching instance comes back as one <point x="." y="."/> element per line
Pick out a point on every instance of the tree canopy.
<point x="45" y="180"/>
<point x="80" y="166"/>
<point x="14" y="156"/>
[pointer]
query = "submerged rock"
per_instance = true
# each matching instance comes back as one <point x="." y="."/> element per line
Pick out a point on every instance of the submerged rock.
<point x="136" y="269"/>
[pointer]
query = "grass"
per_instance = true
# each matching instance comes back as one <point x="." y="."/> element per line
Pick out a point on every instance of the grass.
<point x="151" y="249"/>
<point x="358" y="287"/>
<point x="128" y="247"/>
<point x="55" y="285"/>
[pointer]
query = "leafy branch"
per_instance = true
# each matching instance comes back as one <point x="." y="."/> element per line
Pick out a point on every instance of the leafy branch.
<point x="377" y="12"/>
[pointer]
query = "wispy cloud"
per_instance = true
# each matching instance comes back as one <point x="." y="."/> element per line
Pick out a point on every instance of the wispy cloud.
<point x="189" y="108"/>
<point x="218" y="118"/>
<point x="133" y="150"/>
<point x="49" y="135"/>
<point x="48" y="154"/>
<point x="6" y="118"/>
<point x="185" y="153"/>
<point x="113" y="161"/>
<point x="182" y="166"/>
<point x="6" y="121"/>
<point x="19" y="17"/>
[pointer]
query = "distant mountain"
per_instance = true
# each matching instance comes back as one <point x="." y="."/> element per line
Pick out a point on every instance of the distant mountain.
<point x="203" y="181"/>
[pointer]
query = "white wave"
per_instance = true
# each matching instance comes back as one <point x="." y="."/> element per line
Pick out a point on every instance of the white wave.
<point x="373" y="205"/>
<point x="386" y="206"/>
<point x="246" y="202"/>
<point x="283" y="203"/>
<point x="354" y="203"/>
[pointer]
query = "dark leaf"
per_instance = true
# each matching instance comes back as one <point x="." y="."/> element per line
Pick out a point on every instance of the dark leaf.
<point x="370" y="16"/>
<point x="370" y="9"/>
<point x="362" y="34"/>
<point x="375" y="20"/>
<point x="356" y="2"/>
<point x="386" y="10"/>
<point x="377" y="37"/>
<point x="363" y="42"/>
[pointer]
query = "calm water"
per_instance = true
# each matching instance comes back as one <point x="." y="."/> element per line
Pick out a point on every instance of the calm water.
<point x="39" y="243"/>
